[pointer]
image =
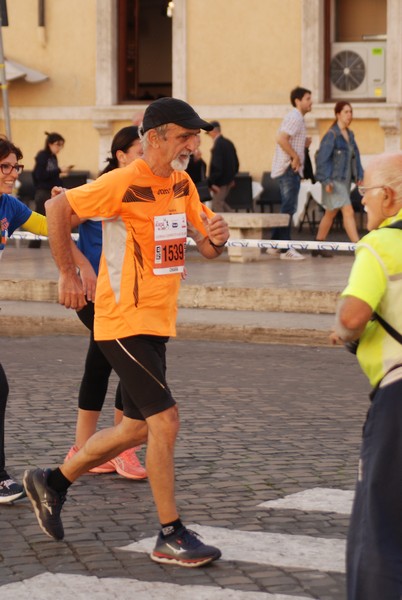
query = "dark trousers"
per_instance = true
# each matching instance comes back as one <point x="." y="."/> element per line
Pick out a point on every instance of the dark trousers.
<point x="374" y="547"/>
<point x="289" y="187"/>
<point x="219" y="203"/>
<point x="97" y="370"/>
<point x="3" y="402"/>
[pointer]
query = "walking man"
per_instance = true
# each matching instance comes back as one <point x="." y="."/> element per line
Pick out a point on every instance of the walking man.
<point x="288" y="162"/>
<point x="145" y="208"/>
<point x="223" y="168"/>
<point x="370" y="314"/>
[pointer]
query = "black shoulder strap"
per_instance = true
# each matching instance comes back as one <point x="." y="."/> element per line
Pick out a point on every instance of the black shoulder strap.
<point x="376" y="317"/>
<point x="388" y="328"/>
<point x="396" y="225"/>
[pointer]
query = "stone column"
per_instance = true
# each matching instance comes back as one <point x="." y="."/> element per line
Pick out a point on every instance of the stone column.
<point x="105" y="131"/>
<point x="392" y="135"/>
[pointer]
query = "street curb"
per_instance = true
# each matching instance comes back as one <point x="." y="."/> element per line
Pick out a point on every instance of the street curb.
<point x="254" y="335"/>
<point x="258" y="299"/>
<point x="26" y="326"/>
<point x="200" y="296"/>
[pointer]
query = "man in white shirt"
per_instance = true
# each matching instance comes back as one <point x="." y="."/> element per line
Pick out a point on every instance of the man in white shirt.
<point x="288" y="162"/>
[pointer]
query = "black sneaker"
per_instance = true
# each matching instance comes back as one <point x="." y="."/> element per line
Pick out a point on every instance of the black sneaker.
<point x="322" y="253"/>
<point x="183" y="548"/>
<point x="46" y="502"/>
<point x="10" y="490"/>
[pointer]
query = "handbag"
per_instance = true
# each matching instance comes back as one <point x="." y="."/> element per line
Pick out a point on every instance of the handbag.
<point x="308" y="172"/>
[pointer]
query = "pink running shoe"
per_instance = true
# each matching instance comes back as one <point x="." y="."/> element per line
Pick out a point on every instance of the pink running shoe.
<point x="128" y="465"/>
<point x="107" y="467"/>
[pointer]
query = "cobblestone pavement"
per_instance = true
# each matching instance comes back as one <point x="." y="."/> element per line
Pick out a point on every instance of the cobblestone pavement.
<point x="259" y="422"/>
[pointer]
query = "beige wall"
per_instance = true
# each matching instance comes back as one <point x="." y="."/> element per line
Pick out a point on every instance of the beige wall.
<point x="243" y="52"/>
<point x="64" y="50"/>
<point x="79" y="135"/>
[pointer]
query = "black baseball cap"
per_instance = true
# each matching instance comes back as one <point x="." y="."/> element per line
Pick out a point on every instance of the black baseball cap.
<point x="172" y="110"/>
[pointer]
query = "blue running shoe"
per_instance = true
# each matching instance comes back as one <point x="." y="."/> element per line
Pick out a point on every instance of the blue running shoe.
<point x="183" y="548"/>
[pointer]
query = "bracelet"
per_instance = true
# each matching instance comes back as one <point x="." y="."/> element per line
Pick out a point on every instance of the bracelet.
<point x="216" y="245"/>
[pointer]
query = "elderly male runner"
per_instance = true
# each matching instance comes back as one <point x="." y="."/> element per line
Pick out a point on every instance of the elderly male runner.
<point x="146" y="208"/>
<point x="370" y="311"/>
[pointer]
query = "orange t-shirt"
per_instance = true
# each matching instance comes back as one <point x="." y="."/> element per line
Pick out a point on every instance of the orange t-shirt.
<point x="144" y="233"/>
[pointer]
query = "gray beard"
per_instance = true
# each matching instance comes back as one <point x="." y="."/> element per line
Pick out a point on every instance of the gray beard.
<point x="179" y="165"/>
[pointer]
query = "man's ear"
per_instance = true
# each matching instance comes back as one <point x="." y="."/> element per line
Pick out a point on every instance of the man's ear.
<point x="390" y="201"/>
<point x="153" y="138"/>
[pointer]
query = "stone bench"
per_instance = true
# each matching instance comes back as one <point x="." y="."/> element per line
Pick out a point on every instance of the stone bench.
<point x="250" y="226"/>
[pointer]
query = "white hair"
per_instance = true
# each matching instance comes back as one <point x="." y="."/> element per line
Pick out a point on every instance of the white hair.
<point x="144" y="136"/>
<point x="387" y="170"/>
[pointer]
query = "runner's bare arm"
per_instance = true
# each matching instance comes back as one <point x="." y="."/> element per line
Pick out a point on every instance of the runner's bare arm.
<point x="59" y="213"/>
<point x="38" y="224"/>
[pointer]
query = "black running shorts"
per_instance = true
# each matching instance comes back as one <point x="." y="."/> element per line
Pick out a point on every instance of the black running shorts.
<point x="140" y="363"/>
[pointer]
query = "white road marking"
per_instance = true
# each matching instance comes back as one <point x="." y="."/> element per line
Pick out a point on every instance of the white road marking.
<point x="316" y="499"/>
<point x="280" y="550"/>
<point x="81" y="587"/>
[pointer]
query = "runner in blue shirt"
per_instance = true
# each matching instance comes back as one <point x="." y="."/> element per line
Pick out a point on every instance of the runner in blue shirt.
<point x="13" y="215"/>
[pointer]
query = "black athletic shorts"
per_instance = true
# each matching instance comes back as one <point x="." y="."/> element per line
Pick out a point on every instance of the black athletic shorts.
<point x="140" y="363"/>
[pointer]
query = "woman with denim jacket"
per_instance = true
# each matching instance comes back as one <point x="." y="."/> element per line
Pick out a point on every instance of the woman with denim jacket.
<point x="337" y="165"/>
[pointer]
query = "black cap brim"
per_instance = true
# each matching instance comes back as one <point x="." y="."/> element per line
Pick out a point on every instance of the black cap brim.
<point x="171" y="110"/>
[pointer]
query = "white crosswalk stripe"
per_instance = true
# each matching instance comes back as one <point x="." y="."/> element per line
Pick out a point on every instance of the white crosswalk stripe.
<point x="321" y="499"/>
<point x="280" y="550"/>
<point x="274" y="549"/>
<point x="80" y="587"/>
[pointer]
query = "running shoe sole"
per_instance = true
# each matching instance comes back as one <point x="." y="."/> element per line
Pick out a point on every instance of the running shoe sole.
<point x="127" y="474"/>
<point x="189" y="563"/>
<point x="12" y="498"/>
<point x="103" y="469"/>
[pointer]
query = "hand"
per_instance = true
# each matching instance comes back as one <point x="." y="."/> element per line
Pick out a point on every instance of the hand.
<point x="216" y="227"/>
<point x="295" y="163"/>
<point x="335" y="339"/>
<point x="329" y="187"/>
<point x="308" y="141"/>
<point x="71" y="294"/>
<point x="88" y="279"/>
<point x="56" y="190"/>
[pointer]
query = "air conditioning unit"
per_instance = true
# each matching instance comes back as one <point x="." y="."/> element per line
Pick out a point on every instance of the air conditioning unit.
<point x="357" y="70"/>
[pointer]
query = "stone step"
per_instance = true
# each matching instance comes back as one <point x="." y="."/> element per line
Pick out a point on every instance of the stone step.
<point x="23" y="319"/>
<point x="200" y="296"/>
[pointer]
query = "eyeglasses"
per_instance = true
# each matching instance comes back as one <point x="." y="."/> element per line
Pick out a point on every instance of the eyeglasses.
<point x="6" y="168"/>
<point x="363" y="190"/>
<point x="58" y="144"/>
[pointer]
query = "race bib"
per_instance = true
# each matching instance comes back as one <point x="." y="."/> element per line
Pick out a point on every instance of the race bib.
<point x="170" y="239"/>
